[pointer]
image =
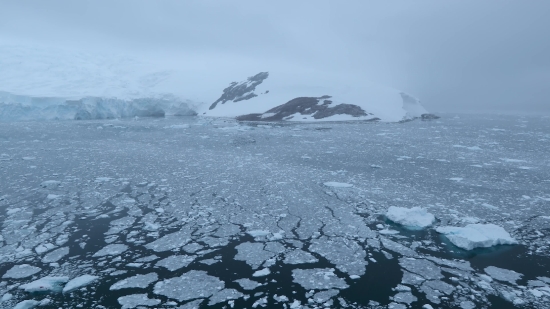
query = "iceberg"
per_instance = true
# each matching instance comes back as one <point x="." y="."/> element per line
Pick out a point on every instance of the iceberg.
<point x="477" y="236"/>
<point x="415" y="218"/>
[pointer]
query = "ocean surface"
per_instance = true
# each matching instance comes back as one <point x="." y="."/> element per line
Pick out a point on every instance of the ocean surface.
<point x="191" y="212"/>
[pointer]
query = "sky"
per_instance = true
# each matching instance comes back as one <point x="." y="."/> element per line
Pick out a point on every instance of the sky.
<point x="459" y="56"/>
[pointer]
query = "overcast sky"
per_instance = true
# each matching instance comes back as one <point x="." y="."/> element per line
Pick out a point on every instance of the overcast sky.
<point x="467" y="55"/>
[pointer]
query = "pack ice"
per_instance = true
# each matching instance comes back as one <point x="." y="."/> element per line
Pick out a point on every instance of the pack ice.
<point x="415" y="218"/>
<point x="477" y="236"/>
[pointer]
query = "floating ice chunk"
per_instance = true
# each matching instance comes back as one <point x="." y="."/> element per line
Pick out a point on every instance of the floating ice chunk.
<point x="258" y="233"/>
<point x="253" y="254"/>
<point x="248" y="284"/>
<point x="137" y="281"/>
<point x="177" y="126"/>
<point x="50" y="184"/>
<point x="175" y="262"/>
<point x="388" y="232"/>
<point x="318" y="279"/>
<point x="224" y="295"/>
<point x="457" y="179"/>
<point x="79" y="282"/>
<point x="299" y="257"/>
<point x="21" y="271"/>
<point x="55" y="255"/>
<point x="337" y="184"/>
<point x="502" y="274"/>
<point x="170" y="241"/>
<point x="477" y="235"/>
<point x="26" y="304"/>
<point x="113" y="249"/>
<point x="44" y="248"/>
<point x="45" y="284"/>
<point x="190" y="285"/>
<point x="415" y="218"/>
<point x="6" y="297"/>
<point x="52" y="196"/>
<point x="135" y="300"/>
<point x="261" y="273"/>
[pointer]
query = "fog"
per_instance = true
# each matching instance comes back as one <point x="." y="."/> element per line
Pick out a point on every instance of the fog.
<point x="465" y="56"/>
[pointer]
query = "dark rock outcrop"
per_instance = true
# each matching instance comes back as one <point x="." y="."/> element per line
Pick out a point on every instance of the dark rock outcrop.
<point x="318" y="107"/>
<point x="429" y="117"/>
<point x="241" y="91"/>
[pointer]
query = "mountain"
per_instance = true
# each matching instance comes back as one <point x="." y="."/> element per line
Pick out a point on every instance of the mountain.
<point x="265" y="98"/>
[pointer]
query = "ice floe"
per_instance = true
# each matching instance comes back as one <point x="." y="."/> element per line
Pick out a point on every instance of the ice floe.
<point x="45" y="284"/>
<point x="190" y="285"/>
<point x="415" y="217"/>
<point x="318" y="279"/>
<point x="137" y="281"/>
<point x="21" y="271"/>
<point x="112" y="249"/>
<point x="79" y="282"/>
<point x="136" y="300"/>
<point x="477" y="236"/>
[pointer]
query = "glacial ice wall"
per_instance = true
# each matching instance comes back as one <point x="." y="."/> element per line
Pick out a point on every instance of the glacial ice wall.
<point x="24" y="108"/>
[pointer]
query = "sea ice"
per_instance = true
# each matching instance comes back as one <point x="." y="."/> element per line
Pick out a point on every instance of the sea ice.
<point x="137" y="281"/>
<point x="112" y="249"/>
<point x="318" y="279"/>
<point x="190" y="285"/>
<point x="26" y="304"/>
<point x="21" y="271"/>
<point x="477" y="235"/>
<point x="55" y="255"/>
<point x="337" y="184"/>
<point x="261" y="273"/>
<point x="502" y="274"/>
<point x="225" y="295"/>
<point x="416" y="217"/>
<point x="247" y="284"/>
<point x="175" y="262"/>
<point x="135" y="300"/>
<point x="79" y="282"/>
<point x="299" y="257"/>
<point x="45" y="284"/>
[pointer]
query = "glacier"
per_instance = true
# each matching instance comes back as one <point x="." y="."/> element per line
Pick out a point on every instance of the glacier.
<point x="48" y="83"/>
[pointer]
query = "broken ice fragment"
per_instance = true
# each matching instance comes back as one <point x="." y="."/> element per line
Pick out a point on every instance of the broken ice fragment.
<point x="21" y="271"/>
<point x="190" y="285"/>
<point x="45" y="284"/>
<point x="79" y="282"/>
<point x="113" y="249"/>
<point x="477" y="235"/>
<point x="414" y="218"/>
<point x="502" y="274"/>
<point x="337" y="184"/>
<point x="135" y="300"/>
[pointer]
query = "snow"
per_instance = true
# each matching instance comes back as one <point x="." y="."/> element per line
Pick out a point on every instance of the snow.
<point x="416" y="217"/>
<point x="477" y="236"/>
<point x="45" y="284"/>
<point x="21" y="271"/>
<point x="337" y="184"/>
<point x="79" y="282"/>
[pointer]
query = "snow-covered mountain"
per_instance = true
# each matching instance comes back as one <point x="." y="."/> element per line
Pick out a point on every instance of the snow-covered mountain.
<point x="265" y="98"/>
<point x="38" y="82"/>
